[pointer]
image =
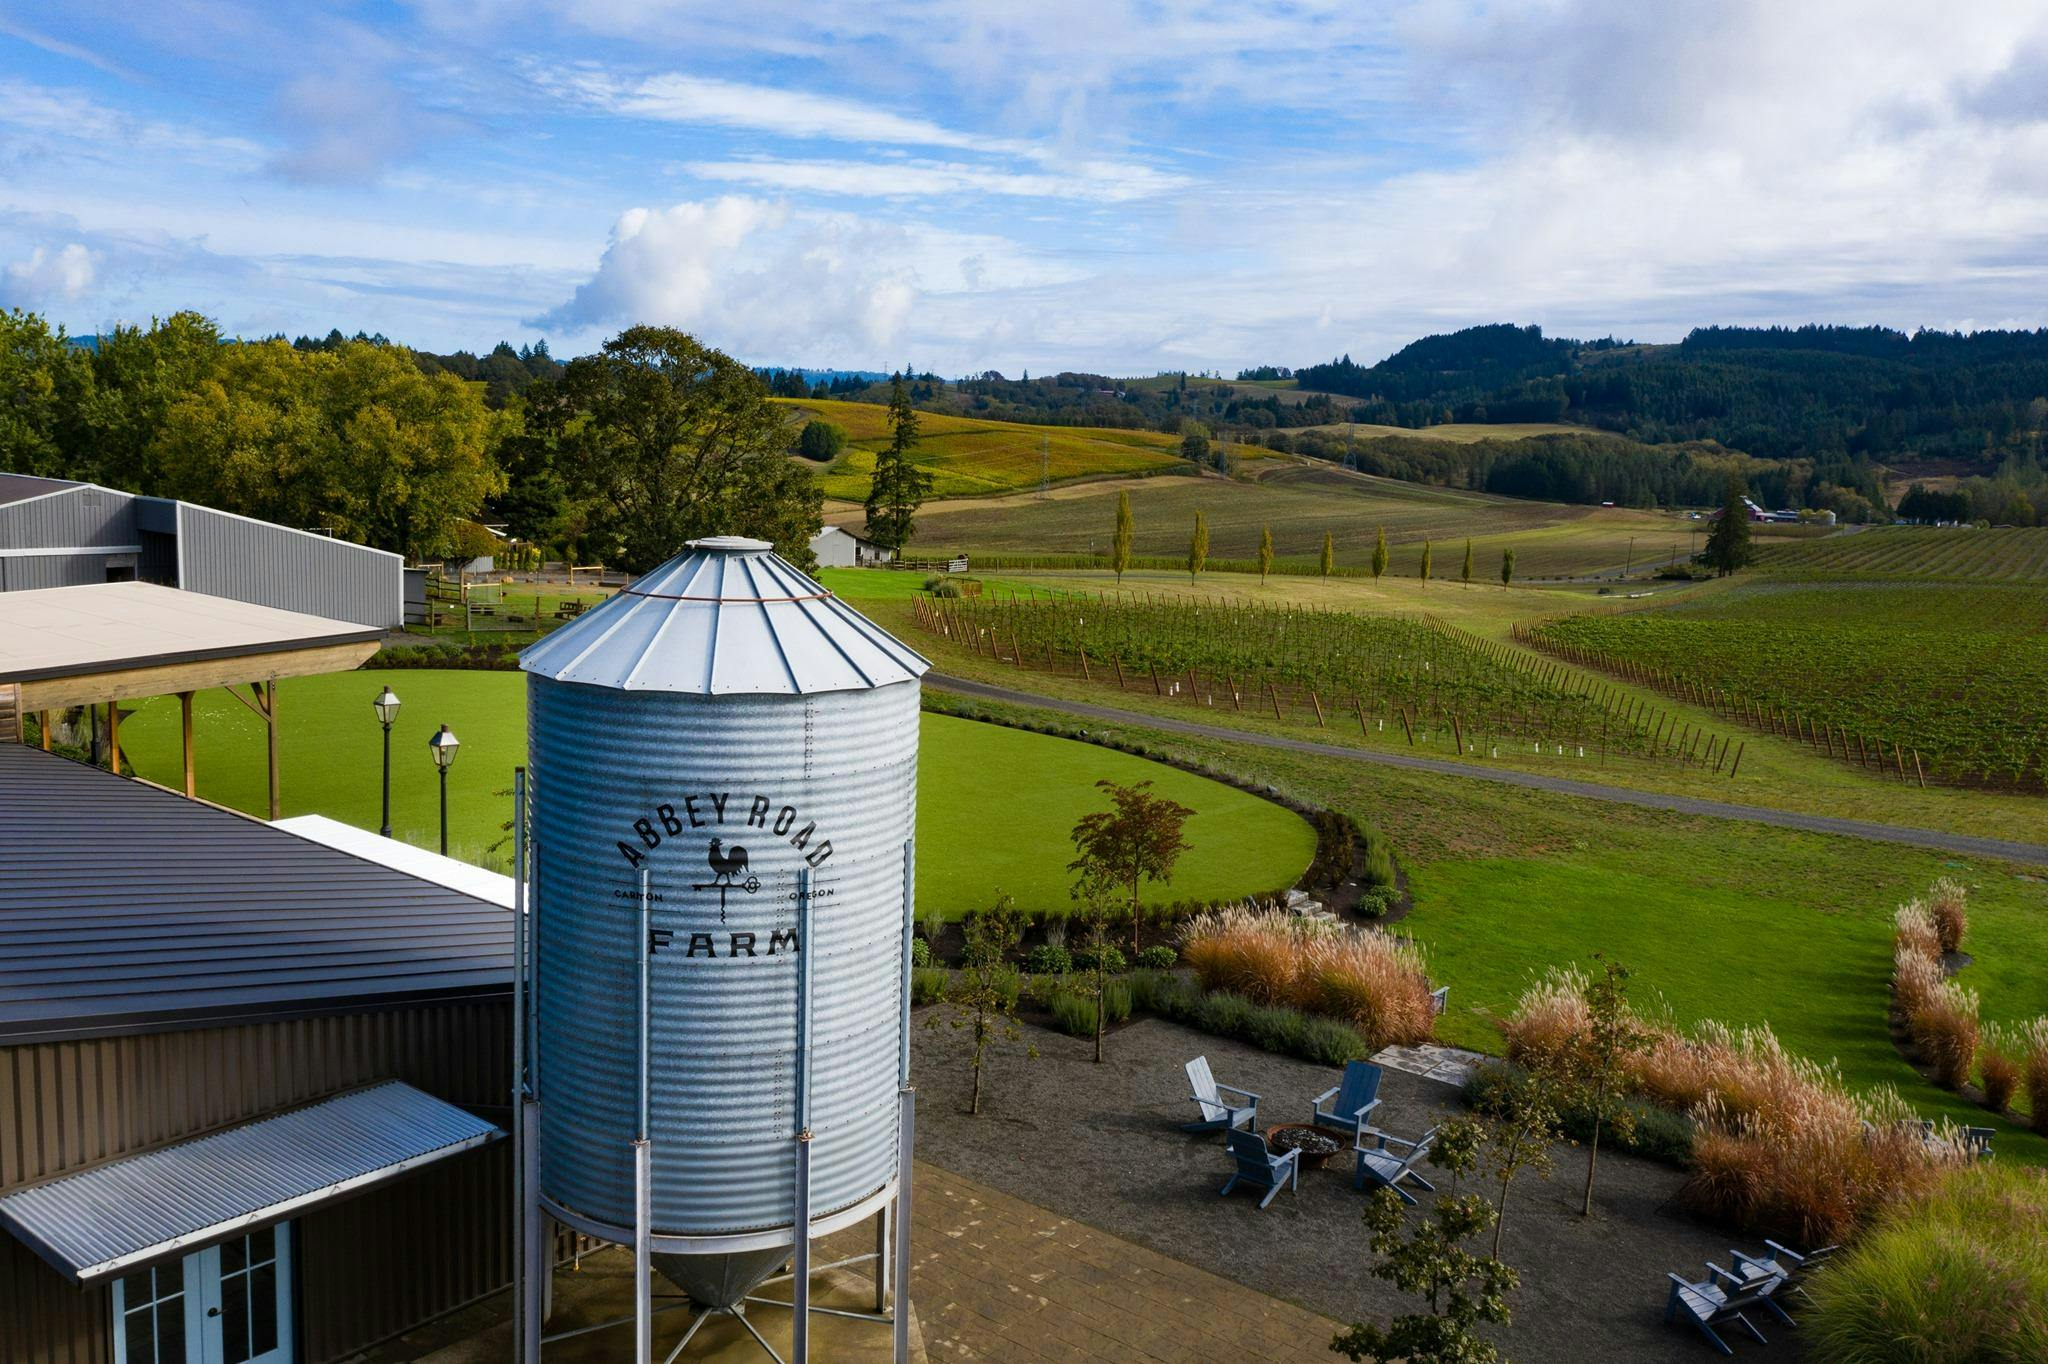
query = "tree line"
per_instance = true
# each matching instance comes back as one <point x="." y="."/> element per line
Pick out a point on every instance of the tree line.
<point x="616" y="457"/>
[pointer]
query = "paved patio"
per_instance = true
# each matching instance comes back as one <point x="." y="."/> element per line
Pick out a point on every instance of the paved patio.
<point x="1101" y="1145"/>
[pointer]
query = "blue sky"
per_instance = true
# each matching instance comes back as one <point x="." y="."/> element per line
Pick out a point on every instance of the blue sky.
<point x="1116" y="186"/>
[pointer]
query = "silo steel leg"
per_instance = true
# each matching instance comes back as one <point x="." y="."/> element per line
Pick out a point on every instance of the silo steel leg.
<point x="905" y="1140"/>
<point x="643" y="1260"/>
<point x="800" y="1266"/>
<point x="532" y="1238"/>
<point x="882" y="1258"/>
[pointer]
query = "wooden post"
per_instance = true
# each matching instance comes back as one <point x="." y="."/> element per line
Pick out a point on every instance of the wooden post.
<point x="1084" y="665"/>
<point x="185" y="727"/>
<point x="114" y="737"/>
<point x="1157" y="690"/>
<point x="1359" y="701"/>
<point x="1458" y="734"/>
<point x="269" y="694"/>
<point x="1274" y="692"/>
<point x="46" y="731"/>
<point x="1918" y="771"/>
<point x="1319" y="708"/>
<point x="1736" y="766"/>
<point x="1900" y="759"/>
<point x="1407" y="728"/>
<point x="1119" y="671"/>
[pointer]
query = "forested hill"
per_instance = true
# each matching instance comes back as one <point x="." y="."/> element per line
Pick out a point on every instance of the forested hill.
<point x="1980" y="398"/>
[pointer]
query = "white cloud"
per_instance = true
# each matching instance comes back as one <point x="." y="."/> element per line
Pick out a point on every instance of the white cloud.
<point x="924" y="179"/>
<point x="67" y="117"/>
<point x="765" y="281"/>
<point x="49" y="277"/>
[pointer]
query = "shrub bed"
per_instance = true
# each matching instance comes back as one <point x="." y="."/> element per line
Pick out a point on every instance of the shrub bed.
<point x="1367" y="978"/>
<point x="1658" y="1133"/>
<point x="1275" y="1028"/>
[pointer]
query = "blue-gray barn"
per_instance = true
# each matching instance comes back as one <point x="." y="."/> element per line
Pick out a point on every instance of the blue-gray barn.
<point x="56" y="533"/>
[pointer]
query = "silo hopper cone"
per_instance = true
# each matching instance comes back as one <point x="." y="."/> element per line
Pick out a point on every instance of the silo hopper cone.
<point x="721" y="1281"/>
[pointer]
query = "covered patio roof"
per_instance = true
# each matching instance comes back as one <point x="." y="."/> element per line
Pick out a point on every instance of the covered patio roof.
<point x="109" y="1219"/>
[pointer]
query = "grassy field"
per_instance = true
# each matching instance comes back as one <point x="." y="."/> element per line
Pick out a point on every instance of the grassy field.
<point x="1461" y="433"/>
<point x="1300" y="503"/>
<point x="330" y="758"/>
<point x="1717" y="919"/>
<point x="1926" y="553"/>
<point x="969" y="458"/>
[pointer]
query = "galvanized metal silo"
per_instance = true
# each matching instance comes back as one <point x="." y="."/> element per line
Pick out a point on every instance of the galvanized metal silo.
<point x="724" y="727"/>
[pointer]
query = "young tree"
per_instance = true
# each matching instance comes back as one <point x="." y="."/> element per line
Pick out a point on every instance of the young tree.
<point x="1468" y="563"/>
<point x="1198" y="548"/>
<point x="1120" y="542"/>
<point x="899" y="487"/>
<point x="1137" y="839"/>
<point x="1265" y="553"/>
<point x="1329" y="564"/>
<point x="1728" y="547"/>
<point x="1521" y="1122"/>
<point x="1507" y="567"/>
<point x="983" y="997"/>
<point x="1596" y="1071"/>
<point x="1423" y="573"/>
<point x="1463" y="1289"/>
<point x="677" y="440"/>
<point x="1379" y="555"/>
<point x="1098" y="899"/>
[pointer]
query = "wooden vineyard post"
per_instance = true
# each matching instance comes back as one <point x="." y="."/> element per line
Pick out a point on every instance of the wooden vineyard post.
<point x="1899" y="758"/>
<point x="1084" y="665"/>
<point x="1236" y="701"/>
<point x="1407" y="728"/>
<point x="1319" y="708"/>
<point x="1917" y="771"/>
<point x="1016" y="647"/>
<point x="1359" y="701"/>
<point x="1737" y="764"/>
<point x="1274" y="692"/>
<point x="1119" y="663"/>
<point x="1458" y="734"/>
<point x="1157" y="690"/>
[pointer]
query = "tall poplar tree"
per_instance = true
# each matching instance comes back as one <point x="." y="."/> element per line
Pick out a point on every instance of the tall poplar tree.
<point x="1379" y="555"/>
<point x="1468" y="563"/>
<point x="1265" y="553"/>
<point x="899" y="487"/>
<point x="1120" y="543"/>
<point x="1329" y="554"/>
<point x="1198" y="548"/>
<point x="1424" y="575"/>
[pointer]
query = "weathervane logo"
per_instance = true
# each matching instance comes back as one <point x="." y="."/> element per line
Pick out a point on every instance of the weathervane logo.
<point x="728" y="873"/>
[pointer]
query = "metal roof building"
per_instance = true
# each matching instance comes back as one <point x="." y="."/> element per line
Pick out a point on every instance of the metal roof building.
<point x="56" y="533"/>
<point x="225" y="1048"/>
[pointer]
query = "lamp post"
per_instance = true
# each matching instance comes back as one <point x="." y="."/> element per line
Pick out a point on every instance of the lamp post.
<point x="443" y="746"/>
<point x="386" y="706"/>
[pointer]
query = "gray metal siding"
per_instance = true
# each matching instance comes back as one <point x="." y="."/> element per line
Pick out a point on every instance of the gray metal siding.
<point x="253" y="561"/>
<point x="21" y="573"/>
<point x="77" y="517"/>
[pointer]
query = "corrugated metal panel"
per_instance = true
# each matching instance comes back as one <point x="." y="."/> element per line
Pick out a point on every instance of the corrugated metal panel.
<point x="105" y="1221"/>
<point x="232" y="556"/>
<point x="662" y="776"/>
<point x="185" y="915"/>
<point x="16" y="487"/>
<point x="82" y="515"/>
<point x="729" y="618"/>
<point x="28" y="572"/>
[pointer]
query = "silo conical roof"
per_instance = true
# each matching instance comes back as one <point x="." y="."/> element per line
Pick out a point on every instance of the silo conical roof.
<point x="728" y="617"/>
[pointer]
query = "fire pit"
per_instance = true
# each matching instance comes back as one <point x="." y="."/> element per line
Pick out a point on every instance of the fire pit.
<point x="1316" y="1144"/>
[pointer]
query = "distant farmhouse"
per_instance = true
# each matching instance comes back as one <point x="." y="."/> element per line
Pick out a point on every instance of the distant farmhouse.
<point x="57" y="533"/>
<point x="838" y="547"/>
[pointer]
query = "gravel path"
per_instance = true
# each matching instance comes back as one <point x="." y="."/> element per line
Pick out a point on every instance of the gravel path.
<point x="1101" y="1144"/>
<point x="1968" y="845"/>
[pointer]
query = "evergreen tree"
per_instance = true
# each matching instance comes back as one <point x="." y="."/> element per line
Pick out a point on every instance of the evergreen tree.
<point x="1198" y="548"/>
<point x="1728" y="547"/>
<point x="1379" y="555"/>
<point x="1468" y="563"/>
<point x="899" y="487"/>
<point x="1120" y="543"/>
<point x="1507" y="567"/>
<point x="1329" y="555"/>
<point x="1265" y="553"/>
<point x="1424" y="574"/>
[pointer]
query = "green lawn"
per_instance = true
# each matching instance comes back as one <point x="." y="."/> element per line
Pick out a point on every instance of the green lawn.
<point x="974" y="779"/>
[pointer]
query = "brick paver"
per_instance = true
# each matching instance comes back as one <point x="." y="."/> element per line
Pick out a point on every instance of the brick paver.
<point x="998" y="1279"/>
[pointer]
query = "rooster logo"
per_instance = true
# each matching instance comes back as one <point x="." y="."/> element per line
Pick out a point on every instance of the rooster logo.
<point x="728" y="873"/>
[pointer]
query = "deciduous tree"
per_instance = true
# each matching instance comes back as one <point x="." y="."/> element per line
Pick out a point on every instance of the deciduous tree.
<point x="1329" y="563"/>
<point x="983" y="997"/>
<point x="1463" y="1289"/>
<point x="1137" y="839"/>
<point x="1198" y="548"/>
<point x="1379" y="554"/>
<point x="1120" y="540"/>
<point x="1596" y="1071"/>
<point x="1265" y="553"/>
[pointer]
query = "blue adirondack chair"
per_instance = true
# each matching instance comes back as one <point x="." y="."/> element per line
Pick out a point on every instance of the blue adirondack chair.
<point x="1789" y="1268"/>
<point x="1350" y="1103"/>
<point x="1379" y="1163"/>
<point x="1706" y="1304"/>
<point x="1218" y="1113"/>
<point x="1978" y="1140"/>
<point x="1259" y="1167"/>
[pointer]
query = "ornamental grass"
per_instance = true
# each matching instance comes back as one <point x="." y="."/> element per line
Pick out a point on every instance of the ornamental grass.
<point x="1371" y="980"/>
<point x="1998" y="1067"/>
<point x="1948" y="904"/>
<point x="1945" y="1027"/>
<point x="2032" y="1044"/>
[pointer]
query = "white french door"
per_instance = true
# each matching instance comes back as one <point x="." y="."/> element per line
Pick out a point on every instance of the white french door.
<point x="228" y="1304"/>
